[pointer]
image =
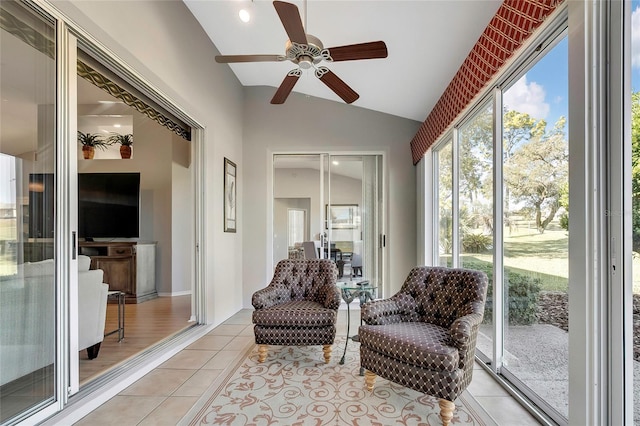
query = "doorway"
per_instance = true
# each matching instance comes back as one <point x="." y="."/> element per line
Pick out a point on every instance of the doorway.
<point x="138" y="243"/>
<point x="342" y="200"/>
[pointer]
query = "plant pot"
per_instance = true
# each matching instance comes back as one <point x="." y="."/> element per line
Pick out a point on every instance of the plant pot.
<point x="88" y="152"/>
<point x="125" y="151"/>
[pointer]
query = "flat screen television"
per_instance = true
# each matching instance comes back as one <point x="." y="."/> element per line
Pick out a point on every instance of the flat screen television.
<point x="108" y="205"/>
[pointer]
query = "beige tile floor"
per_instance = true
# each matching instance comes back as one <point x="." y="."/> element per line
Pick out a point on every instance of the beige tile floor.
<point x="167" y="393"/>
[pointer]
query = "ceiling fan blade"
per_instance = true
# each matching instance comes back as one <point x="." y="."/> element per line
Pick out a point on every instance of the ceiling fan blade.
<point x="225" y="59"/>
<point x="353" y="52"/>
<point x="334" y="83"/>
<point x="286" y="87"/>
<point x="291" y="21"/>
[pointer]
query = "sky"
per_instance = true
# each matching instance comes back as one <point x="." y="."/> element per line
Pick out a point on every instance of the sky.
<point x="635" y="45"/>
<point x="543" y="91"/>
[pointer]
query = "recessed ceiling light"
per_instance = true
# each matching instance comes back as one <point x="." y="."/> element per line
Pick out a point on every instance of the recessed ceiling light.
<point x="244" y="15"/>
<point x="335" y="163"/>
<point x="116" y="125"/>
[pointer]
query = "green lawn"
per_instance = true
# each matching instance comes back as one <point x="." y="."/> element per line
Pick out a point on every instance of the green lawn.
<point x="543" y="256"/>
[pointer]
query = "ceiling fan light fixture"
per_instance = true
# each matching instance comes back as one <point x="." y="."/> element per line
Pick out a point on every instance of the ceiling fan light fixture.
<point x="305" y="62"/>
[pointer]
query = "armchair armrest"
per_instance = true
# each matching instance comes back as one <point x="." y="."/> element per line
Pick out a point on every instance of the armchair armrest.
<point x="329" y="296"/>
<point x="462" y="330"/>
<point x="270" y="296"/>
<point x="399" y="308"/>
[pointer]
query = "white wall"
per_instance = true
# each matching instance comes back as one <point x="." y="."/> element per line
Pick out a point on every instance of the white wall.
<point x="305" y="183"/>
<point x="308" y="124"/>
<point x="164" y="43"/>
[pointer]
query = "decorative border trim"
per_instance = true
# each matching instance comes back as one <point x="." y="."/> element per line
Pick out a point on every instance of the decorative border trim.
<point x="102" y="82"/>
<point x="510" y="27"/>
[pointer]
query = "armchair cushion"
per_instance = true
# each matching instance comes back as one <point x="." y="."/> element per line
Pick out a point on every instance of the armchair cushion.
<point x="299" y="313"/>
<point x="416" y="343"/>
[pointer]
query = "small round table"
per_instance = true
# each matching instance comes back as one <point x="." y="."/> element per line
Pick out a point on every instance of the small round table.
<point x="361" y="289"/>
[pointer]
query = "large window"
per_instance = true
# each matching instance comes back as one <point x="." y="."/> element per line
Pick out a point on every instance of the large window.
<point x="635" y="194"/>
<point x="444" y="176"/>
<point x="536" y="238"/>
<point x="524" y="338"/>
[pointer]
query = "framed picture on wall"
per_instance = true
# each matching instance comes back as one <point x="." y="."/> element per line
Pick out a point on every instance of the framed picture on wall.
<point x="341" y="216"/>
<point x="230" y="175"/>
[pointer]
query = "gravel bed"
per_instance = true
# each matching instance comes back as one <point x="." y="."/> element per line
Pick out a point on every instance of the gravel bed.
<point x="553" y="309"/>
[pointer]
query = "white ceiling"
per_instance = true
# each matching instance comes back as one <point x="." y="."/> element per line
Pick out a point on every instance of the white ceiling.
<point x="427" y="42"/>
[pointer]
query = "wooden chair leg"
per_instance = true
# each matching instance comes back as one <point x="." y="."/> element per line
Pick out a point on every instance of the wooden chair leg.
<point x="369" y="380"/>
<point x="327" y="353"/>
<point x="262" y="353"/>
<point x="446" y="411"/>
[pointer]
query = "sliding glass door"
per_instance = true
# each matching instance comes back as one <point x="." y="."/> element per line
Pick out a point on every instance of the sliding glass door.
<point x="333" y="204"/>
<point x="354" y="216"/>
<point x="28" y="285"/>
<point x="298" y="186"/>
<point x="536" y="238"/>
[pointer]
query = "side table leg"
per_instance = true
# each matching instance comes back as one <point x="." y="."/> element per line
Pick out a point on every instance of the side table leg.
<point x="346" y="342"/>
<point x="121" y="302"/>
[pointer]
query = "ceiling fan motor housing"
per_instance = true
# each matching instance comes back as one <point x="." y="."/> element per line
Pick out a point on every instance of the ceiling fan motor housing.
<point x="306" y="55"/>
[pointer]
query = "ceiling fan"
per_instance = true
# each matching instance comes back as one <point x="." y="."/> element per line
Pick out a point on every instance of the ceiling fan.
<point x="307" y="52"/>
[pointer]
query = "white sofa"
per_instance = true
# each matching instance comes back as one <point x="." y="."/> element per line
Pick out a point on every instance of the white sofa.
<point x="27" y="302"/>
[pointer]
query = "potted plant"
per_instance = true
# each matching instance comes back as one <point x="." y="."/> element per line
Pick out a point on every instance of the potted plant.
<point x="125" y="142"/>
<point x="89" y="142"/>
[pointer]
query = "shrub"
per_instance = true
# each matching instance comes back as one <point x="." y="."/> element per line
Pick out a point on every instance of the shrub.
<point x="564" y="221"/>
<point x="523" y="292"/>
<point x="476" y="243"/>
<point x="523" y="298"/>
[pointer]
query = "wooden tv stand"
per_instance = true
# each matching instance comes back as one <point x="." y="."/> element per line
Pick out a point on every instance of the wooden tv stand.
<point x="128" y="266"/>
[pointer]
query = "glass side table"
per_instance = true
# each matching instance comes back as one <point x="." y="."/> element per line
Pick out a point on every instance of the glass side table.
<point x="361" y="289"/>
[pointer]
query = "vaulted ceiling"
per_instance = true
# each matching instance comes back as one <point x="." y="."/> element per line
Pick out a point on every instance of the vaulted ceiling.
<point x="427" y="41"/>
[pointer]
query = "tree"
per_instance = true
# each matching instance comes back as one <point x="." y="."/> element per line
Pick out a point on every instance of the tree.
<point x="518" y="129"/>
<point x="538" y="171"/>
<point x="476" y="162"/>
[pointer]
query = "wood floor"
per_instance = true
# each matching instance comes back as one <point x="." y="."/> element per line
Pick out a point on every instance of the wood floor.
<point x="146" y="324"/>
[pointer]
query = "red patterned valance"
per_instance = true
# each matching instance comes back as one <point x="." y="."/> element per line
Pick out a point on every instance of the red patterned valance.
<point x="512" y="24"/>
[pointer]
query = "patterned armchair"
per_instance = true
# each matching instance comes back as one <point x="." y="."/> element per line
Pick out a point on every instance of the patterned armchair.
<point x="299" y="307"/>
<point x="424" y="336"/>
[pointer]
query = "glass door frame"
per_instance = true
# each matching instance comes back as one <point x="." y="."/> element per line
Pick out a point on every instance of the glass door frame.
<point x="620" y="225"/>
<point x="64" y="260"/>
<point x="325" y="188"/>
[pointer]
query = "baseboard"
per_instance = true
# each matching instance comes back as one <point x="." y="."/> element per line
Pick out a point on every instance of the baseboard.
<point x="175" y="293"/>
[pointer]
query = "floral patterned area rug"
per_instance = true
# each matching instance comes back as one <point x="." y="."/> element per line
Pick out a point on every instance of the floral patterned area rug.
<point x="295" y="387"/>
